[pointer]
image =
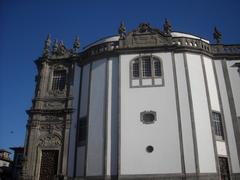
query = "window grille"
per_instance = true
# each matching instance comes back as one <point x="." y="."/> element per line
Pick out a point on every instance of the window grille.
<point x="146" y="67"/>
<point x="224" y="168"/>
<point x="82" y="131"/>
<point x="157" y="68"/>
<point x="218" y="127"/>
<point x="135" y="69"/>
<point x="59" y="80"/>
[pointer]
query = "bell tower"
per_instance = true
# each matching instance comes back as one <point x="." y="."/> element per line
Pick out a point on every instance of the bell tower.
<point x="46" y="143"/>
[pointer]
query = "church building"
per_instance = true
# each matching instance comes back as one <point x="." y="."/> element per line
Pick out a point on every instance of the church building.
<point x="144" y="104"/>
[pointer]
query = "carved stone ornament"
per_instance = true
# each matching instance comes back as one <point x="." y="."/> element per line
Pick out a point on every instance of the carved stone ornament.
<point x="59" y="49"/>
<point x="53" y="118"/>
<point x="50" y="141"/>
<point x="59" y="67"/>
<point x="76" y="44"/>
<point x="51" y="127"/>
<point x="53" y="105"/>
<point x="57" y="93"/>
<point x="145" y="36"/>
<point x="144" y="28"/>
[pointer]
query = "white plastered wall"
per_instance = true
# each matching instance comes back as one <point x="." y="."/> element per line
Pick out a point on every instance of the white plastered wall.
<point x="214" y="100"/>
<point x="206" y="155"/>
<point x="234" y="76"/>
<point x="82" y="113"/>
<point x="112" y="116"/>
<point x="96" y="120"/>
<point x="72" y="136"/>
<point x="228" y="118"/>
<point x="187" y="131"/>
<point x="163" y="134"/>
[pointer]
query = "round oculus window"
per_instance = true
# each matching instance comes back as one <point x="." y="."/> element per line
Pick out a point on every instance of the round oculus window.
<point x="149" y="149"/>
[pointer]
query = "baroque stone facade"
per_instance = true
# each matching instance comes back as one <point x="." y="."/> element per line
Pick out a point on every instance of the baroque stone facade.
<point x="111" y="110"/>
<point x="50" y="115"/>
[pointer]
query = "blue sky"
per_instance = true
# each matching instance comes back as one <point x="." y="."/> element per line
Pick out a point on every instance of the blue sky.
<point x="24" y="25"/>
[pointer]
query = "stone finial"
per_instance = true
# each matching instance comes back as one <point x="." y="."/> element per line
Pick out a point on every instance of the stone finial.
<point x="76" y="44"/>
<point x="47" y="45"/>
<point x="61" y="48"/>
<point x="122" y="30"/>
<point x="55" y="46"/>
<point x="217" y="35"/>
<point x="167" y="27"/>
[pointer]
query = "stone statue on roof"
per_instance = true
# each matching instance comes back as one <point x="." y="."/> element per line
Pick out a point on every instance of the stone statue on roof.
<point x="167" y="27"/>
<point x="217" y="35"/>
<point x="122" y="30"/>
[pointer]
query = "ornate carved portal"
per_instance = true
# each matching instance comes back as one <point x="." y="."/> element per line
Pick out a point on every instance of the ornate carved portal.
<point x="224" y="170"/>
<point x="49" y="163"/>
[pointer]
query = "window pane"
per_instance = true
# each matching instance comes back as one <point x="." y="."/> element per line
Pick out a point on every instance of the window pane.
<point x="59" y="79"/>
<point x="157" y="68"/>
<point x="148" y="117"/>
<point x="146" y="67"/>
<point x="218" y="128"/>
<point x="135" y="69"/>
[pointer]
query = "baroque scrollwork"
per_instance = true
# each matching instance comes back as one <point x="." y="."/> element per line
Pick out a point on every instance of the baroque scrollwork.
<point x="50" y="141"/>
<point x="51" y="127"/>
<point x="53" y="118"/>
<point x="53" y="105"/>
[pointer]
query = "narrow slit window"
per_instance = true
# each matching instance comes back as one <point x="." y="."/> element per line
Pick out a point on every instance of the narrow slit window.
<point x="218" y="127"/>
<point x="82" y="131"/>
<point x="59" y="80"/>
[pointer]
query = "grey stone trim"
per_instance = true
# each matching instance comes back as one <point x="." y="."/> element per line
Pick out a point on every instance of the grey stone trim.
<point x="210" y="115"/>
<point x="89" y="94"/>
<point x="191" y="115"/>
<point x="86" y="56"/>
<point x="178" y="115"/>
<point x="105" y="116"/>
<point x="232" y="107"/>
<point x="170" y="176"/>
<point x="223" y="117"/>
<point x="235" y="176"/>
<point x="78" y="117"/>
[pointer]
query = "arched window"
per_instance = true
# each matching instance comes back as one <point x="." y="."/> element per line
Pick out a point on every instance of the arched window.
<point x="146" y="71"/>
<point x="59" y="80"/>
